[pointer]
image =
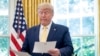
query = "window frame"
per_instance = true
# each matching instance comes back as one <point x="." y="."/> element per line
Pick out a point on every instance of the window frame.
<point x="97" y="31"/>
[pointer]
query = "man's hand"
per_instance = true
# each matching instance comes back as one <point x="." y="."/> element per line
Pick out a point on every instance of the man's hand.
<point x="54" y="52"/>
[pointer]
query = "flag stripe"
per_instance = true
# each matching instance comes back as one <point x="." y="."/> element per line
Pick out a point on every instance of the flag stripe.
<point x="12" y="46"/>
<point x="15" y="42"/>
<point x="22" y="37"/>
<point x="18" y="39"/>
<point x="12" y="54"/>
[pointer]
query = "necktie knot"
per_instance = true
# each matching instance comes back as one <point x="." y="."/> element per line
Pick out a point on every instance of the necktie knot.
<point x="45" y="27"/>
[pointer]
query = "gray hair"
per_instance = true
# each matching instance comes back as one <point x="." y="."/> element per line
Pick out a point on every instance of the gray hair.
<point x="46" y="6"/>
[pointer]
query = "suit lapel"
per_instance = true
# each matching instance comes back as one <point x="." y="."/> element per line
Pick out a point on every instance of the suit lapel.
<point x="51" y="35"/>
<point x="37" y="33"/>
<point x="52" y="32"/>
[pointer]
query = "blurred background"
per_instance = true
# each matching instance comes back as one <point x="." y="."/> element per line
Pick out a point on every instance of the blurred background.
<point x="81" y="16"/>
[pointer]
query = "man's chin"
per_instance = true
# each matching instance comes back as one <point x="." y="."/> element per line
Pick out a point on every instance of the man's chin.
<point x="44" y="24"/>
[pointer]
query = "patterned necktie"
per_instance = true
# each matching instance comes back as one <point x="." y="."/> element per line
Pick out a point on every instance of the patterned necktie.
<point x="43" y="36"/>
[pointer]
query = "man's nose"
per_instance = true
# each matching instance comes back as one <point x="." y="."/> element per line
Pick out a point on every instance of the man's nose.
<point x="43" y="14"/>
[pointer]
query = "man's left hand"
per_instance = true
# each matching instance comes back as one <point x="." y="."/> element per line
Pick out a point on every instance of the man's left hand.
<point x="54" y="52"/>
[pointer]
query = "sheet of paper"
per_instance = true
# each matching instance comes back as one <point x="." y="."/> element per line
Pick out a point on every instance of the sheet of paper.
<point x="19" y="53"/>
<point x="43" y="47"/>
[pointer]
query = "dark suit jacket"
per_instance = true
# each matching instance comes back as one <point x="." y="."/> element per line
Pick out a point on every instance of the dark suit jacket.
<point x="57" y="33"/>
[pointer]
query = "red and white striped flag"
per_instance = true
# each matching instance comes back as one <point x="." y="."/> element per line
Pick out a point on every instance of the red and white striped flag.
<point x="18" y="29"/>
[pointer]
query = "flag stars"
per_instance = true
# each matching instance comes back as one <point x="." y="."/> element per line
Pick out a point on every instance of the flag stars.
<point x="17" y="8"/>
<point x="16" y="17"/>
<point x="21" y="9"/>
<point x="23" y="27"/>
<point x="24" y="23"/>
<point x="19" y="4"/>
<point x="16" y="21"/>
<point x="15" y="26"/>
<point x="21" y="14"/>
<point x="19" y="22"/>
<point x="19" y="26"/>
<point x="20" y="18"/>
<point x="17" y="13"/>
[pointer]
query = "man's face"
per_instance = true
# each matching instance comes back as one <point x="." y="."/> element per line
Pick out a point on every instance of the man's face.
<point x="45" y="16"/>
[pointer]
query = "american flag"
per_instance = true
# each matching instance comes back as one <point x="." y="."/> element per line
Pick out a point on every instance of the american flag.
<point x="18" y="29"/>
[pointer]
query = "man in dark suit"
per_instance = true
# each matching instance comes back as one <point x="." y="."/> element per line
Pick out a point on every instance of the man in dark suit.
<point x="55" y="32"/>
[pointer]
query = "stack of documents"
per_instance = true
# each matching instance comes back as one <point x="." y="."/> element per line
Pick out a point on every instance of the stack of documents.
<point x="43" y="47"/>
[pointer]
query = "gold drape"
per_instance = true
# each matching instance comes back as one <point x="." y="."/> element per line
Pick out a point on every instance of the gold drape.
<point x="30" y="11"/>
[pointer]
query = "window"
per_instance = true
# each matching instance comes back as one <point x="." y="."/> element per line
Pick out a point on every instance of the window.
<point x="4" y="30"/>
<point x="79" y="16"/>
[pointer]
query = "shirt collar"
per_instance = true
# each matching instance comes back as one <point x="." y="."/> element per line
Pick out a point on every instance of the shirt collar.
<point x="48" y="26"/>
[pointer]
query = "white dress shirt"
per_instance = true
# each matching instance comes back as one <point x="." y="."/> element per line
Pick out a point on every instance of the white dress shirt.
<point x="48" y="29"/>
